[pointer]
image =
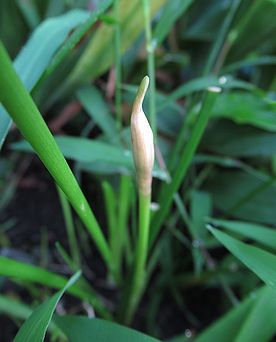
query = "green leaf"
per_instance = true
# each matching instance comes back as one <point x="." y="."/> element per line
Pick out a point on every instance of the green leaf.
<point x="228" y="326"/>
<point x="37" y="54"/>
<point x="202" y="83"/>
<point x="95" y="105"/>
<point x="22" y="271"/>
<point x="172" y="11"/>
<point x="34" y="329"/>
<point x="94" y="155"/>
<point x="266" y="236"/>
<point x="78" y="33"/>
<point x="260" y="325"/>
<point x="171" y="188"/>
<point x="249" y="197"/>
<point x="257" y="260"/>
<point x="228" y="139"/>
<point x="97" y="52"/>
<point x="14" y="308"/>
<point x="21" y="107"/>
<point x="87" y="151"/>
<point x="83" y="329"/>
<point x="246" y="108"/>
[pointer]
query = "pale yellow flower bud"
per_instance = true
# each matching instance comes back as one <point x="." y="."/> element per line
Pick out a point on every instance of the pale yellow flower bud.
<point x="142" y="141"/>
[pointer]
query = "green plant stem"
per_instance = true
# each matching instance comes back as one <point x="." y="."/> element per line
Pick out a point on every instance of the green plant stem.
<point x="150" y="66"/>
<point x="183" y="164"/>
<point x="213" y="55"/>
<point x="112" y="223"/>
<point x="25" y="114"/>
<point x="118" y="68"/>
<point x="123" y="211"/>
<point x="70" y="229"/>
<point x="139" y="274"/>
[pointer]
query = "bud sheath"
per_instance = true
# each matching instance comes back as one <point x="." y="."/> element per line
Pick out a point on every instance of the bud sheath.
<point x="142" y="141"/>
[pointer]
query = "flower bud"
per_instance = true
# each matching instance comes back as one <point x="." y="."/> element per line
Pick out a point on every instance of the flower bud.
<point x="142" y="141"/>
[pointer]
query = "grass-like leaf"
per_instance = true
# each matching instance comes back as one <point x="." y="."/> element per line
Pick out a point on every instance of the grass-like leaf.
<point x="37" y="54"/>
<point x="34" y="329"/>
<point x="83" y="329"/>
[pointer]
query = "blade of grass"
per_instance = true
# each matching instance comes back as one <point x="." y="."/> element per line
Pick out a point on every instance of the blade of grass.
<point x="186" y="157"/>
<point x="25" y="114"/>
<point x="22" y="271"/>
<point x="217" y="46"/>
<point x="32" y="61"/>
<point x="118" y="68"/>
<point x="70" y="229"/>
<point x="35" y="327"/>
<point x="150" y="47"/>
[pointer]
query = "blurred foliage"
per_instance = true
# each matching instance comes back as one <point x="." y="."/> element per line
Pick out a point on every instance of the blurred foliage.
<point x="230" y="183"/>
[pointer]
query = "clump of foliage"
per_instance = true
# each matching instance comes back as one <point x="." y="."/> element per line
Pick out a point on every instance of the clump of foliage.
<point x="185" y="171"/>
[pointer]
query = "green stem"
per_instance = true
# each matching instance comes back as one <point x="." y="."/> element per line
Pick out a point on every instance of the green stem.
<point x="151" y="66"/>
<point x="112" y="222"/>
<point x="184" y="163"/>
<point x="118" y="68"/>
<point x="70" y="229"/>
<point x="221" y="36"/>
<point x="21" y="107"/>
<point x="139" y="274"/>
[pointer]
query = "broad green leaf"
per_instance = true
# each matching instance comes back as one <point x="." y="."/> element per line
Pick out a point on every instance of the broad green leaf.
<point x="171" y="12"/>
<point x="83" y="329"/>
<point x="94" y="155"/>
<point x="38" y="52"/>
<point x="246" y="108"/>
<point x="201" y="207"/>
<point x="87" y="151"/>
<point x="257" y="260"/>
<point x="260" y="324"/>
<point x="95" y="105"/>
<point x="258" y="18"/>
<point x="202" y="83"/>
<point x="226" y="138"/>
<point x="34" y="329"/>
<point x="14" y="308"/>
<point x="22" y="271"/>
<point x="226" y="328"/>
<point x="266" y="236"/>
<point x="249" y="197"/>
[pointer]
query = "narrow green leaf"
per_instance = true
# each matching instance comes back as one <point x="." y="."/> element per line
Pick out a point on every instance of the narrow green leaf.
<point x="201" y="83"/>
<point x="83" y="329"/>
<point x="260" y="325"/>
<point x="14" y="308"/>
<point x="97" y="52"/>
<point x="259" y="261"/>
<point x="37" y="54"/>
<point x="94" y="155"/>
<point x="95" y="105"/>
<point x="22" y="271"/>
<point x="266" y="236"/>
<point x="24" y="112"/>
<point x="227" y="327"/>
<point x="77" y="34"/>
<point x="184" y="162"/>
<point x="246" y="108"/>
<point x="34" y="329"/>
<point x="172" y="11"/>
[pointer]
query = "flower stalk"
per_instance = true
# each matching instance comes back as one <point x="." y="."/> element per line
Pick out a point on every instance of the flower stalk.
<point x="143" y="154"/>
